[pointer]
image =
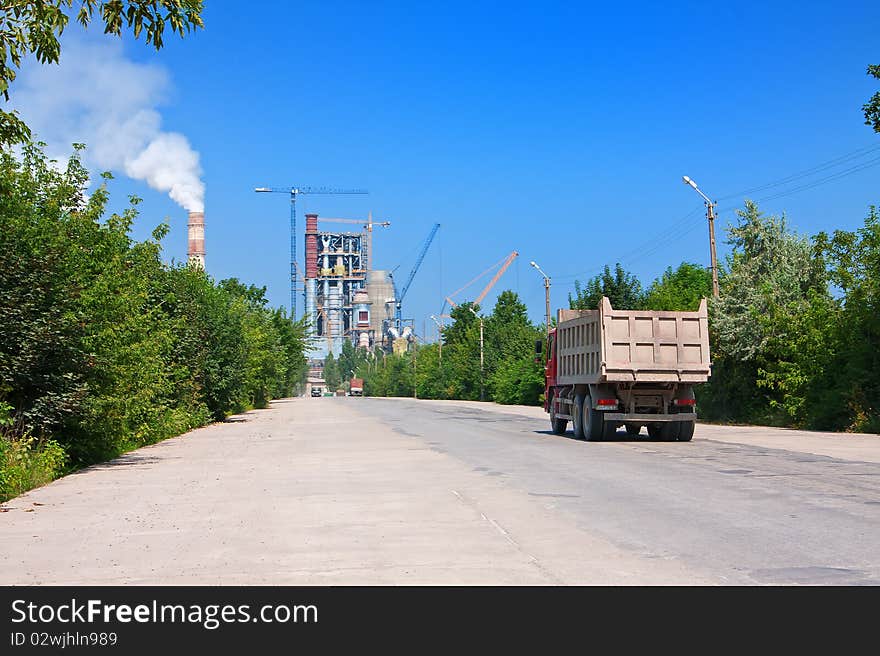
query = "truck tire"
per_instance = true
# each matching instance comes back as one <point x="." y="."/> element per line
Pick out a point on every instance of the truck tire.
<point x="557" y="424"/>
<point x="609" y="429"/>
<point x="594" y="422"/>
<point x="633" y="429"/>
<point x="686" y="430"/>
<point x="669" y="431"/>
<point x="577" y="413"/>
<point x="654" y="431"/>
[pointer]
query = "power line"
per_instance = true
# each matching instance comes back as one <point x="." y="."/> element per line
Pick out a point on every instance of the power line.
<point x="682" y="227"/>
<point x="673" y="231"/>
<point x="824" y="166"/>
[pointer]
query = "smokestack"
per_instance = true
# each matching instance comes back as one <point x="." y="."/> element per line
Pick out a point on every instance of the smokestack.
<point x="311" y="246"/>
<point x="196" y="228"/>
<point x="312" y="268"/>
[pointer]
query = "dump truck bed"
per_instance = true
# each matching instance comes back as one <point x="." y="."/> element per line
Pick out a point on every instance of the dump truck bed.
<point x="608" y="345"/>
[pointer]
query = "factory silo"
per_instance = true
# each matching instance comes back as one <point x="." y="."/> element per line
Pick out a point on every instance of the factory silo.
<point x="381" y="292"/>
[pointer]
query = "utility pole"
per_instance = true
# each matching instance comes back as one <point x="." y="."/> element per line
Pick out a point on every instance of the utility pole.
<point x="482" y="383"/>
<point x="546" y="291"/>
<point x="439" y="340"/>
<point x="415" y="355"/>
<point x="710" y="216"/>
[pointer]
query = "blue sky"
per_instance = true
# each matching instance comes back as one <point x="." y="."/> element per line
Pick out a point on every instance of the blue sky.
<point x="560" y="130"/>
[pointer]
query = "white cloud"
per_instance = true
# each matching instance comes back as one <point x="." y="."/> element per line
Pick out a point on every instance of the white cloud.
<point x="98" y="97"/>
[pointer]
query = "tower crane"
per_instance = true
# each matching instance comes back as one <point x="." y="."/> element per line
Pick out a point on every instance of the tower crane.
<point x="412" y="274"/>
<point x="294" y="192"/>
<point x="479" y="299"/>
<point x="369" y="227"/>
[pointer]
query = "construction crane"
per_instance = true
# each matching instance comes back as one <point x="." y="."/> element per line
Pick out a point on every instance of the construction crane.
<point x="294" y="192"/>
<point x="412" y="274"/>
<point x="369" y="227"/>
<point x="505" y="263"/>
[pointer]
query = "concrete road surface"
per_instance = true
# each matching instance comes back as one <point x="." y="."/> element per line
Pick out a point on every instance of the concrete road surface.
<point x="393" y="491"/>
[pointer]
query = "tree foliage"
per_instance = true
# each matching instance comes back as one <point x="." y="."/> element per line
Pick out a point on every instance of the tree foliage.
<point x="679" y="290"/>
<point x="103" y="347"/>
<point x="509" y="373"/>
<point x="622" y="288"/>
<point x="872" y="107"/>
<point x="785" y="349"/>
<point x="332" y="379"/>
<point x="34" y="27"/>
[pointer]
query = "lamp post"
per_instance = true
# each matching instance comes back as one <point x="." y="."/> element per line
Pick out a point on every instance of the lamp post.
<point x="546" y="290"/>
<point x="439" y="339"/>
<point x="482" y="384"/>
<point x="415" y="366"/>
<point x="710" y="216"/>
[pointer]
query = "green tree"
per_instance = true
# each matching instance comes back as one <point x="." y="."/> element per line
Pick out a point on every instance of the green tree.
<point x="872" y="107"/>
<point x="622" y="288"/>
<point x="772" y="274"/>
<point x="332" y="377"/>
<point x="105" y="348"/>
<point x="853" y="388"/>
<point x="461" y="354"/>
<point x="519" y="381"/>
<point x="430" y="374"/>
<point x="34" y="27"/>
<point x="509" y="351"/>
<point x="350" y="360"/>
<point x="681" y="289"/>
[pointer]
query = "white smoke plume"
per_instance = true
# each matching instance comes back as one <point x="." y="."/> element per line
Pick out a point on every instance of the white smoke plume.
<point x="99" y="97"/>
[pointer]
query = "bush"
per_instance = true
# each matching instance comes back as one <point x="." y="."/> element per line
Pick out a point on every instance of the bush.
<point x="104" y="347"/>
<point x="27" y="463"/>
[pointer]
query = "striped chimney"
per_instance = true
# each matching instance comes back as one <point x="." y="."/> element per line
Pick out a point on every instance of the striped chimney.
<point x="197" y="238"/>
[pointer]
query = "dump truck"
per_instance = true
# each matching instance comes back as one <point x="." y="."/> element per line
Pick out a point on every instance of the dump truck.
<point x="608" y="368"/>
<point x="356" y="387"/>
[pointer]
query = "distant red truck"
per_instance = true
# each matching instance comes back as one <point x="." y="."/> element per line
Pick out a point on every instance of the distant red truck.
<point x="356" y="388"/>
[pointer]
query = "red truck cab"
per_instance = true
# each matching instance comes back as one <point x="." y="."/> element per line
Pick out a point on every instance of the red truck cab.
<point x="550" y="369"/>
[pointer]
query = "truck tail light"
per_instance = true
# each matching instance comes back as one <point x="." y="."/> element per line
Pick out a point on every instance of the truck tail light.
<point x="606" y="403"/>
<point x="685" y="402"/>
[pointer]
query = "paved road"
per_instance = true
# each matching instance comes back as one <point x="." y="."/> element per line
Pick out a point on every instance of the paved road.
<point x="358" y="491"/>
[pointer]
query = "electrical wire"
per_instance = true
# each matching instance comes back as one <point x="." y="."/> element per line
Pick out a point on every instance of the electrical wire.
<point x="824" y="166"/>
<point x="684" y="226"/>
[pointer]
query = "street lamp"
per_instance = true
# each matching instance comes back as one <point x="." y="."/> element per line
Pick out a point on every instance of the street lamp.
<point x="710" y="216"/>
<point x="482" y="395"/>
<point x="546" y="290"/>
<point x="440" y="339"/>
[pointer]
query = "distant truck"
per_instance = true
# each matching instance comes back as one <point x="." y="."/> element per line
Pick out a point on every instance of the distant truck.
<point x="356" y="387"/>
<point x="317" y="391"/>
<point x="608" y="368"/>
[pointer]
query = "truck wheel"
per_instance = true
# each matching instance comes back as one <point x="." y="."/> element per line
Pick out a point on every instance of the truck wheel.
<point x="654" y="431"/>
<point x="594" y="422"/>
<point x="556" y="424"/>
<point x="609" y="429"/>
<point x="577" y="413"/>
<point x="633" y="429"/>
<point x="686" y="430"/>
<point x="669" y="431"/>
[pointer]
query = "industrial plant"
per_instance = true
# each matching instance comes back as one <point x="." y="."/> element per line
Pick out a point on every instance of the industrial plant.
<point x="345" y="298"/>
